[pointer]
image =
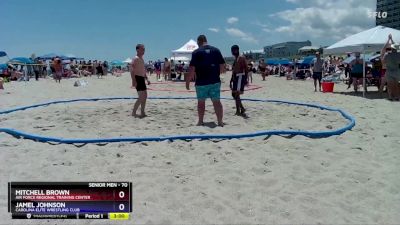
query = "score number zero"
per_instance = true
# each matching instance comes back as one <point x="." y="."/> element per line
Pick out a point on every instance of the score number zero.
<point x="121" y="206"/>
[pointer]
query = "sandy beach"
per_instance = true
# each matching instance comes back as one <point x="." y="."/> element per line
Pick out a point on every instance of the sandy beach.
<point x="348" y="179"/>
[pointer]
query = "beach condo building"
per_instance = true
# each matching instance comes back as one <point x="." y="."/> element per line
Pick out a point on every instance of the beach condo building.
<point x="388" y="13"/>
<point x="254" y="55"/>
<point x="285" y="49"/>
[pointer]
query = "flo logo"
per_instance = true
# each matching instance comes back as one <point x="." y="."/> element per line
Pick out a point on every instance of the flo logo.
<point x="380" y="15"/>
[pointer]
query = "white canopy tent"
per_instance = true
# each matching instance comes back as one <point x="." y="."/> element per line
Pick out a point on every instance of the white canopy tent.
<point x="368" y="41"/>
<point x="184" y="53"/>
<point x="371" y="40"/>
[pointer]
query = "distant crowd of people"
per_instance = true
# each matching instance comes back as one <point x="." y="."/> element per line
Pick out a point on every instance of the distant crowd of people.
<point x="74" y="68"/>
<point x="380" y="72"/>
<point x="375" y="70"/>
<point x="59" y="69"/>
<point x="168" y="69"/>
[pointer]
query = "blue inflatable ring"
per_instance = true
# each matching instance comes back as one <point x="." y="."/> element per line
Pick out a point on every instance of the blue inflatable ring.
<point x="311" y="134"/>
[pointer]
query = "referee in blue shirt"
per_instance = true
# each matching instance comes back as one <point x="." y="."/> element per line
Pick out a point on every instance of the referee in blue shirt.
<point x="206" y="66"/>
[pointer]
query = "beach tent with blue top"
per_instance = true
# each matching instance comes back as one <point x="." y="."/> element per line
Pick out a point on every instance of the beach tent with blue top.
<point x="308" y="60"/>
<point x="278" y="62"/>
<point x="3" y="54"/>
<point x="3" y="67"/>
<point x="52" y="56"/>
<point x="48" y="56"/>
<point x="21" y="60"/>
<point x="72" y="57"/>
<point x="270" y="61"/>
<point x="117" y="63"/>
<point x="284" y="62"/>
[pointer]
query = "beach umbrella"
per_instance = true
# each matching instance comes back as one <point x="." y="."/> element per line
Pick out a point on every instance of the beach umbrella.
<point x="284" y="62"/>
<point x="48" y="56"/>
<point x="3" y="54"/>
<point x="271" y="62"/>
<point x="72" y="57"/>
<point x="63" y="57"/>
<point x="21" y="60"/>
<point x="117" y="63"/>
<point x="52" y="56"/>
<point x="3" y="66"/>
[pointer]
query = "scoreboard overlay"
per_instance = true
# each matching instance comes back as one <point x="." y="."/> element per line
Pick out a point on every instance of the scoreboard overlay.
<point x="70" y="200"/>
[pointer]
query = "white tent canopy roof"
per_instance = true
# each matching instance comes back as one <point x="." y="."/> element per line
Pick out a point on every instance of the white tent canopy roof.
<point x="371" y="40"/>
<point x="189" y="47"/>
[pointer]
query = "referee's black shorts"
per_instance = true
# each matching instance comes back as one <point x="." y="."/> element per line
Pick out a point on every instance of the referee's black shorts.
<point x="239" y="81"/>
<point x="140" y="83"/>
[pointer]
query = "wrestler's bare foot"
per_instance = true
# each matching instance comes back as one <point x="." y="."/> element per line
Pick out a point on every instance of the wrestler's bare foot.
<point x="200" y="123"/>
<point x="221" y="124"/>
